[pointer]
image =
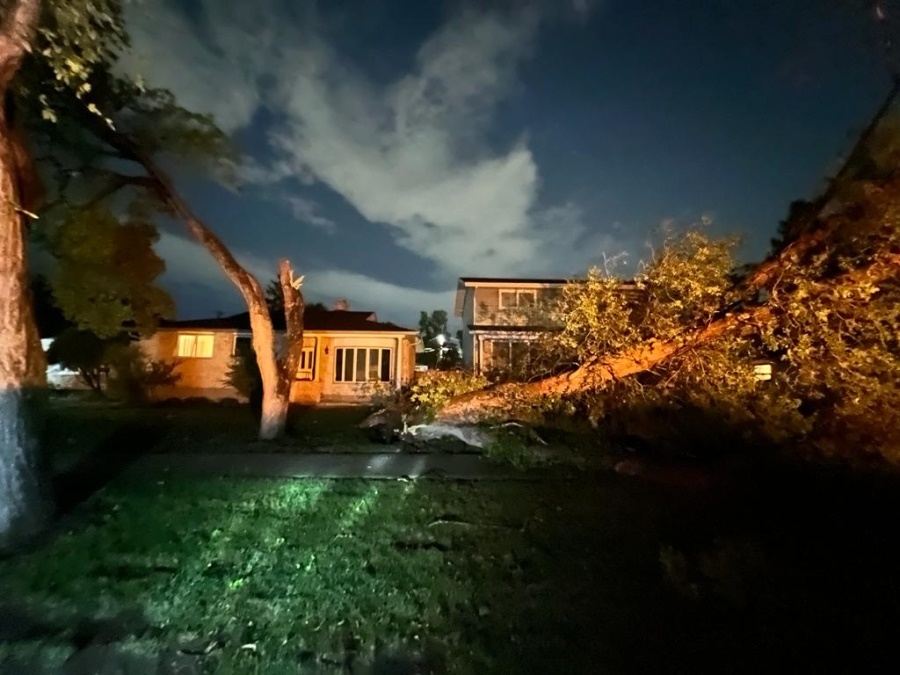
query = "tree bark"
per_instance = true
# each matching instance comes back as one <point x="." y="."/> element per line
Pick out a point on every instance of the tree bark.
<point x="480" y="405"/>
<point x="276" y="371"/>
<point x="23" y="507"/>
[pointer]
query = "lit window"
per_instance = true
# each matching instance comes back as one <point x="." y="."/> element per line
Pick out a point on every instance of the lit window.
<point x="762" y="371"/>
<point x="362" y="365"/>
<point x="195" y="345"/>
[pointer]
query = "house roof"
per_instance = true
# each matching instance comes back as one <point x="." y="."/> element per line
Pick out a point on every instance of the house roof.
<point x="314" y="319"/>
<point x="510" y="280"/>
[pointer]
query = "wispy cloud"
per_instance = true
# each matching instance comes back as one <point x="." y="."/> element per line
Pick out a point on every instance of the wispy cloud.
<point x="307" y="211"/>
<point x="413" y="154"/>
<point x="189" y="265"/>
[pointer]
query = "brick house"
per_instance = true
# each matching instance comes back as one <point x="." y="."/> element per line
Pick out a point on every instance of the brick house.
<point x="345" y="354"/>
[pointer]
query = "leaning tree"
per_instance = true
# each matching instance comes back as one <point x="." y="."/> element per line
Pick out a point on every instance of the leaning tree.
<point x="107" y="133"/>
<point x="114" y="145"/>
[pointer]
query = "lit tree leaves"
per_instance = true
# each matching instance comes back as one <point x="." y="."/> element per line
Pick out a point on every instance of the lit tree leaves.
<point x="107" y="273"/>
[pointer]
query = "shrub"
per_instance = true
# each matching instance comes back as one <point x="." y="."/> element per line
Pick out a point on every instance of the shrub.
<point x="133" y="377"/>
<point x="434" y="388"/>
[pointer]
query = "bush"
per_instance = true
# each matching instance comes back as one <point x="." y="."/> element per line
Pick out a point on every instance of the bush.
<point x="434" y="388"/>
<point x="132" y="377"/>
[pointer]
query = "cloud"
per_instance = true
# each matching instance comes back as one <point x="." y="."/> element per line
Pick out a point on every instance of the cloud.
<point x="191" y="269"/>
<point x="307" y="211"/>
<point x="172" y="51"/>
<point x="188" y="262"/>
<point x="391" y="302"/>
<point x="413" y="154"/>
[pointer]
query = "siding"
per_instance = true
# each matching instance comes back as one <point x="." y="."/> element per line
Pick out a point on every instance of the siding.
<point x="487" y="310"/>
<point x="206" y="377"/>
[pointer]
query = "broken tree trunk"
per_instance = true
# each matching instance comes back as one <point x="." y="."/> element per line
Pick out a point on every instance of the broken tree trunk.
<point x="277" y="371"/>
<point x="22" y="369"/>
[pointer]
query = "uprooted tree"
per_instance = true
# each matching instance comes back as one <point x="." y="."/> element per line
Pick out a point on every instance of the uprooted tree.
<point x="825" y="308"/>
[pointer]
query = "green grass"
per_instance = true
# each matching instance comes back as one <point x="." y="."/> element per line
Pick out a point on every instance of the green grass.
<point x="322" y="570"/>
<point x="485" y="578"/>
<point x="77" y="427"/>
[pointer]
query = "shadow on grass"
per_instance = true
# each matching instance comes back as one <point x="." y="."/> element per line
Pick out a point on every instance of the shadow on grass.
<point x="603" y="574"/>
<point x="99" y="466"/>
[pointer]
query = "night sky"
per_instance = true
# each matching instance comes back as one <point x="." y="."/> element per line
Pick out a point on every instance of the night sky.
<point x="390" y="147"/>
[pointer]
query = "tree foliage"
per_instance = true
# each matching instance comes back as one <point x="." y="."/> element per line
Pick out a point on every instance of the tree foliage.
<point x="81" y="351"/>
<point x="825" y="309"/>
<point x="432" y="325"/>
<point x="107" y="273"/>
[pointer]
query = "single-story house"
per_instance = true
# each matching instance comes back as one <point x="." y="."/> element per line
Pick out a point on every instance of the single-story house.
<point x="346" y="355"/>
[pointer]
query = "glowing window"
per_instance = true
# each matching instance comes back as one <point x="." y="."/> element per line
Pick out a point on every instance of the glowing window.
<point x="195" y="345"/>
<point x="362" y="365"/>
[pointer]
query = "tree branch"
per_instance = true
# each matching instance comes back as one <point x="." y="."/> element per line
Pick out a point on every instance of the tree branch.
<point x="478" y="405"/>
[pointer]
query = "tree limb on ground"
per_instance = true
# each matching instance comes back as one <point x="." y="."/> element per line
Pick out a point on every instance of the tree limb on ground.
<point x="480" y="405"/>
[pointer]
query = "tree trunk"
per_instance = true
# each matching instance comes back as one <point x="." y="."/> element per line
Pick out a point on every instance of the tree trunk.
<point x="277" y="372"/>
<point x="479" y="405"/>
<point x="22" y="368"/>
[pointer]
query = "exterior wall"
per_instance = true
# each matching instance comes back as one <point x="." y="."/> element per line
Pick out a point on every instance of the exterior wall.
<point x="468" y="318"/>
<point x="205" y="377"/>
<point x="199" y="377"/>
<point x="358" y="392"/>
<point x="487" y="310"/>
<point x="309" y="392"/>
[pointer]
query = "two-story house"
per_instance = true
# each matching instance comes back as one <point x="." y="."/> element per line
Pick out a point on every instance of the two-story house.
<point x="501" y="316"/>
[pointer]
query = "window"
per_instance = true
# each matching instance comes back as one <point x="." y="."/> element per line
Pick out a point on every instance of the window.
<point x="507" y="299"/>
<point x="195" y="345"/>
<point x="510" y="354"/>
<point x="307" y="364"/>
<point x="362" y="365"/>
<point x="514" y="299"/>
<point x="243" y="345"/>
<point x="762" y="371"/>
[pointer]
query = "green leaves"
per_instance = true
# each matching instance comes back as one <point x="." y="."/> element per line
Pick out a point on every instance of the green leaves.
<point x="107" y="273"/>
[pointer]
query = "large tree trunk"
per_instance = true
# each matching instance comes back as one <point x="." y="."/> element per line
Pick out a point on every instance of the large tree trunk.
<point x="22" y="369"/>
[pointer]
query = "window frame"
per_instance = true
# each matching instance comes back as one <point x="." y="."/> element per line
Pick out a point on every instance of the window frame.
<point x="340" y="354"/>
<point x="517" y="293"/>
<point x="307" y="355"/>
<point x="240" y="336"/>
<point x="196" y="335"/>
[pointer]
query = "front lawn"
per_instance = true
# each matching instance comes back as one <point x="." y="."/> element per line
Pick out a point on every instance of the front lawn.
<point x="77" y="427"/>
<point x="606" y="575"/>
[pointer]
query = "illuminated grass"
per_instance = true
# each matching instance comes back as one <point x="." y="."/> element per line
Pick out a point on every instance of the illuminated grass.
<point x="323" y="570"/>
<point x="274" y="576"/>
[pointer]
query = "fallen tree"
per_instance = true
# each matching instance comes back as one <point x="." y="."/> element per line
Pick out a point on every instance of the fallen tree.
<point x="809" y="300"/>
<point x="496" y="401"/>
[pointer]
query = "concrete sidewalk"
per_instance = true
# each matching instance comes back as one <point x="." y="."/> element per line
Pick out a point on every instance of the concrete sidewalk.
<point x="383" y="466"/>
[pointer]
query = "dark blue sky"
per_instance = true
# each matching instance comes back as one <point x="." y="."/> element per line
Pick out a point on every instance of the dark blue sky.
<point x="393" y="146"/>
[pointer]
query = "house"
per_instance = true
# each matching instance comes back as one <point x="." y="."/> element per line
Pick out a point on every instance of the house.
<point x="501" y="316"/>
<point x="497" y="320"/>
<point x="346" y="353"/>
